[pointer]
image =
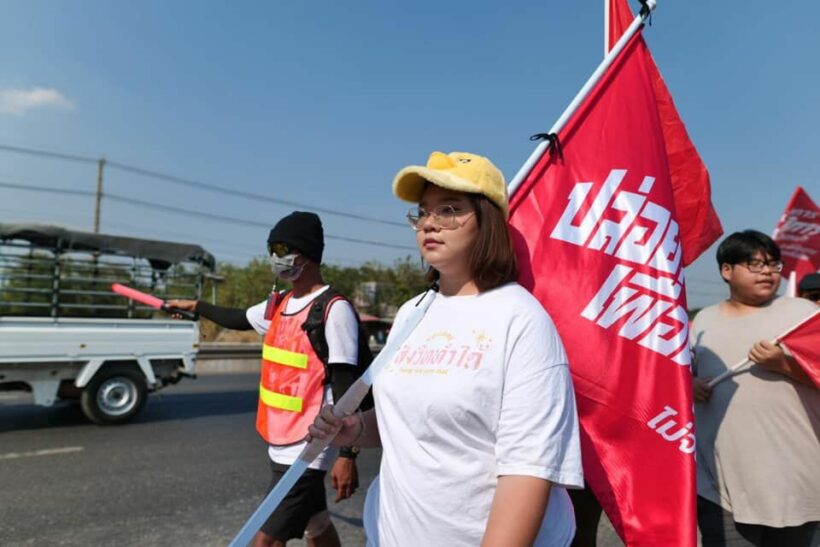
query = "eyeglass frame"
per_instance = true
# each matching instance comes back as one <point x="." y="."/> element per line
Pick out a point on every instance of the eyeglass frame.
<point x="776" y="266"/>
<point x="437" y="217"/>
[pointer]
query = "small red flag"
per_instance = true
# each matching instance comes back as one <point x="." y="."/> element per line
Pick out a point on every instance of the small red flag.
<point x="599" y="243"/>
<point x="798" y="235"/>
<point x="803" y="342"/>
<point x="699" y="223"/>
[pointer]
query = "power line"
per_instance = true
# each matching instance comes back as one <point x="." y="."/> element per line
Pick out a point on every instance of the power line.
<point x="187" y="212"/>
<point x="196" y="184"/>
<point x="153" y="231"/>
<point x="235" y="220"/>
<point x="244" y="194"/>
<point x="48" y="154"/>
<point x="46" y="189"/>
<point x="247" y="252"/>
<point x="116" y="223"/>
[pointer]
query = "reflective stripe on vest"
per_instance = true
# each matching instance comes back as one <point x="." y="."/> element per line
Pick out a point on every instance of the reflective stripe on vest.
<point x="292" y="379"/>
<point x="284" y="357"/>
<point x="280" y="401"/>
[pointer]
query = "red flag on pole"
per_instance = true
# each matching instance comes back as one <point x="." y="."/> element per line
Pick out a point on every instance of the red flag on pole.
<point x="802" y="343"/>
<point x="699" y="223"/>
<point x="798" y="235"/>
<point x="599" y="243"/>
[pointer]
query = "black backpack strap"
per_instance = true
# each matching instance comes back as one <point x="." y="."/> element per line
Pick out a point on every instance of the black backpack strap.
<point x="314" y="327"/>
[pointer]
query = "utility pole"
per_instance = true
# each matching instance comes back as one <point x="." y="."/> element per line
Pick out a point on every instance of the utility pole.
<point x="100" y="167"/>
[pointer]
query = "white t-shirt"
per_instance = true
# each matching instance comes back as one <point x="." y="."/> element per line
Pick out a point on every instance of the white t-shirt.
<point x="342" y="335"/>
<point x="480" y="389"/>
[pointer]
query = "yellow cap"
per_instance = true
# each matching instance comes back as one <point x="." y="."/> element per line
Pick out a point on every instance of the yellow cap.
<point x="459" y="171"/>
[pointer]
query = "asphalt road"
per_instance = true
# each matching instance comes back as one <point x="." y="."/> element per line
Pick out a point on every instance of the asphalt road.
<point x="188" y="471"/>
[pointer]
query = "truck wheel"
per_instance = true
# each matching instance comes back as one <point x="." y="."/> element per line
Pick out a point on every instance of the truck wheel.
<point x="114" y="396"/>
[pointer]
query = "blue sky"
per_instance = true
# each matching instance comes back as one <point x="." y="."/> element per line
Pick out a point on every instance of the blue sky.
<point x="321" y="102"/>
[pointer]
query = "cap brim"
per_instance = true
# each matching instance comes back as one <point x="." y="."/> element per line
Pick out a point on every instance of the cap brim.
<point x="409" y="182"/>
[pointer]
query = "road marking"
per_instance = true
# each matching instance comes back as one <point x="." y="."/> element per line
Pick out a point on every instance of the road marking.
<point x="44" y="452"/>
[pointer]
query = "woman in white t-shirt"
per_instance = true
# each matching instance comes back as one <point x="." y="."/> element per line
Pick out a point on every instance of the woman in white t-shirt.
<point x="475" y="413"/>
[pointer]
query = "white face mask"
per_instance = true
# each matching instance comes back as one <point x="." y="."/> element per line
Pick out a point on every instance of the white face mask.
<point x="285" y="267"/>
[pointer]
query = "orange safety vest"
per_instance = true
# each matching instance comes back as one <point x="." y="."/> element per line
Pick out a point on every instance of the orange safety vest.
<point x="291" y="389"/>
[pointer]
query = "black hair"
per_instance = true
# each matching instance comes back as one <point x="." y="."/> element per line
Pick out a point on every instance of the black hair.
<point x="742" y="246"/>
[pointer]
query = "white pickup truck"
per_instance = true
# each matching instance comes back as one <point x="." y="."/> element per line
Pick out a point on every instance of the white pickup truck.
<point x="109" y="364"/>
<point x="64" y="336"/>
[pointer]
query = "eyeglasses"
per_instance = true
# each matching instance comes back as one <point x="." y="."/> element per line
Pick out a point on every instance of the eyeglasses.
<point x="279" y="249"/>
<point x="444" y="216"/>
<point x="757" y="266"/>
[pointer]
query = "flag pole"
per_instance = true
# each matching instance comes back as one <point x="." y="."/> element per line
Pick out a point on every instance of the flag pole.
<point x="791" y="285"/>
<point x="606" y="27"/>
<point x="717" y="379"/>
<point x="634" y="27"/>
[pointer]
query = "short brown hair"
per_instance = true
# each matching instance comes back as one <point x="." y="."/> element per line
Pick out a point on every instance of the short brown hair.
<point x="492" y="259"/>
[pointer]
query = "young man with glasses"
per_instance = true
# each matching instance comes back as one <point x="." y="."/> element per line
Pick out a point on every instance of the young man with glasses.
<point x="313" y="342"/>
<point x="758" y="450"/>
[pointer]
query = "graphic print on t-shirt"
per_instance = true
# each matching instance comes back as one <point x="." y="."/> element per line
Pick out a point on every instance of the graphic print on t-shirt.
<point x="480" y="388"/>
<point x="441" y="352"/>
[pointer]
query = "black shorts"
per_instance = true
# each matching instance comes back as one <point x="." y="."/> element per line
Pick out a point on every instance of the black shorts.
<point x="305" y="499"/>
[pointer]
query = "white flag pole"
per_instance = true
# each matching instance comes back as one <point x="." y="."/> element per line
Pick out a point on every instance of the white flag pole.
<point x="606" y="27"/>
<point x="579" y="98"/>
<point x="734" y="368"/>
<point x="353" y="397"/>
<point x="729" y="372"/>
<point x="791" y="285"/>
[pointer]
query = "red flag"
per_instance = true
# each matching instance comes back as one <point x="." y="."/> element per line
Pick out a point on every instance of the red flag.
<point x="798" y="235"/>
<point x="699" y="223"/>
<point x="802" y="343"/>
<point x="598" y="244"/>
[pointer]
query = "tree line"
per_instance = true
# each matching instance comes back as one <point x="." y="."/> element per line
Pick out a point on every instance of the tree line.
<point x="374" y="288"/>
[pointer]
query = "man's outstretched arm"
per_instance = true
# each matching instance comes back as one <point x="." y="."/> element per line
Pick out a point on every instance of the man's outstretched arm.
<point x="229" y="318"/>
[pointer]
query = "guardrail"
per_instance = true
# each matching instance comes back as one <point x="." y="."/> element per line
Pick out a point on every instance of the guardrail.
<point x="216" y="350"/>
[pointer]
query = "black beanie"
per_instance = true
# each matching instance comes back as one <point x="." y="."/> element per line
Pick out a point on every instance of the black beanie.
<point x="301" y="231"/>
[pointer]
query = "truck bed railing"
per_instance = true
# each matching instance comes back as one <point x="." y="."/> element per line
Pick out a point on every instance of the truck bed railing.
<point x="55" y="279"/>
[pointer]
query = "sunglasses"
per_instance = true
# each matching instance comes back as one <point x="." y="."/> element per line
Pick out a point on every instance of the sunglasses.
<point x="280" y="249"/>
